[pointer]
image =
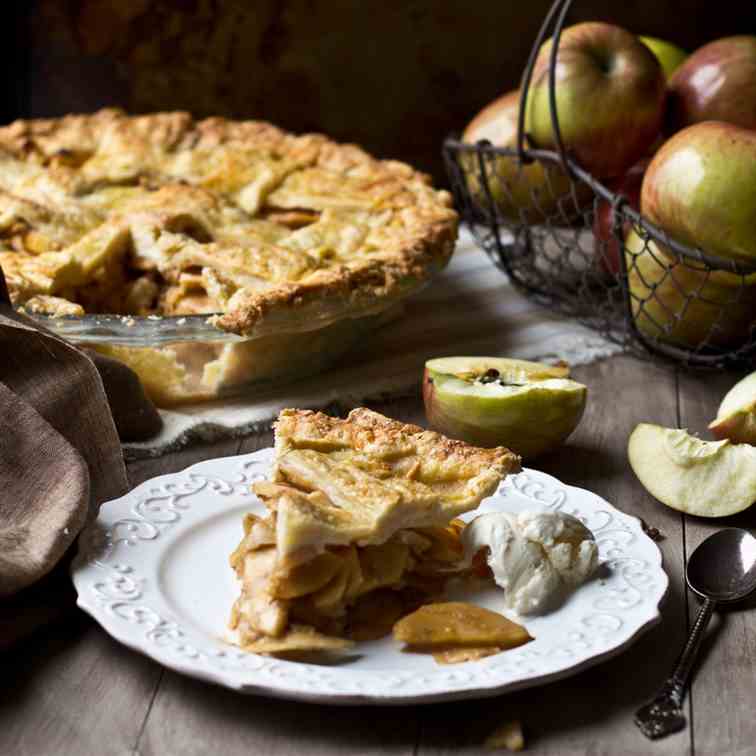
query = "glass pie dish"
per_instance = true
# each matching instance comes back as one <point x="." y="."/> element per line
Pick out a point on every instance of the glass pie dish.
<point x="185" y="359"/>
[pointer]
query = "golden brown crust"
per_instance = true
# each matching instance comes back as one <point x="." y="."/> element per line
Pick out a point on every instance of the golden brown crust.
<point x="369" y="431"/>
<point x="334" y="294"/>
<point x="360" y="479"/>
<point x="377" y="229"/>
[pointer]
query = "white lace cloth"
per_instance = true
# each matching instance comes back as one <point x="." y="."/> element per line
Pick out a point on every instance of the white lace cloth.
<point x="470" y="309"/>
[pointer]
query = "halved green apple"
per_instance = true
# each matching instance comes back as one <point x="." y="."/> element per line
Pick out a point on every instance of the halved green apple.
<point x="736" y="417"/>
<point x="705" y="478"/>
<point x="528" y="407"/>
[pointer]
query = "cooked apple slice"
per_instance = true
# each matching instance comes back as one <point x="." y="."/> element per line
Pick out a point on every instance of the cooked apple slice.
<point x="705" y="478"/>
<point x="736" y="417"/>
<point x="457" y="624"/>
<point x="528" y="407"/>
<point x="306" y="578"/>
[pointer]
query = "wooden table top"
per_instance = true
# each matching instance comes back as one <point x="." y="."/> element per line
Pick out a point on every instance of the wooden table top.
<point x="71" y="689"/>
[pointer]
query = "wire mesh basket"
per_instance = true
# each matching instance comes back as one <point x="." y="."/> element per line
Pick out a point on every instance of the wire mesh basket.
<point x="575" y="246"/>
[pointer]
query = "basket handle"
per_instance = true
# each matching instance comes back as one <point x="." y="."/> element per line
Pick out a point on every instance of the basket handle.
<point x="558" y="10"/>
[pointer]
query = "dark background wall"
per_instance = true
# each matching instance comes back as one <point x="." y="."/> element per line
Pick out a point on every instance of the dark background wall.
<point x="392" y="75"/>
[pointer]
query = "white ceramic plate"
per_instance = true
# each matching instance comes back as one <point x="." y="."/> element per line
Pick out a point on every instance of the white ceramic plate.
<point x="153" y="571"/>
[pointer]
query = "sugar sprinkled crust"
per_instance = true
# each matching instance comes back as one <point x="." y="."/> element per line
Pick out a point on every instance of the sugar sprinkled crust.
<point x="276" y="232"/>
<point x="360" y="479"/>
<point x="367" y="431"/>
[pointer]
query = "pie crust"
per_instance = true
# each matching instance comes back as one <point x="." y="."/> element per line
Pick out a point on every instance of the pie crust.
<point x="360" y="529"/>
<point x="164" y="215"/>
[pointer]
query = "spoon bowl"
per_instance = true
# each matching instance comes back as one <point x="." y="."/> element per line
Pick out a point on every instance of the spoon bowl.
<point x="723" y="567"/>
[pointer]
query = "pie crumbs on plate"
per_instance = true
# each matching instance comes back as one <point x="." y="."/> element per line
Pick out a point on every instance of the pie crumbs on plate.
<point x="360" y="530"/>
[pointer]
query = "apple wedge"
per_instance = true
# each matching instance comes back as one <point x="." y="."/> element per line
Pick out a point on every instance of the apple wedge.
<point x="736" y="417"/>
<point x="528" y="407"/>
<point x="704" y="478"/>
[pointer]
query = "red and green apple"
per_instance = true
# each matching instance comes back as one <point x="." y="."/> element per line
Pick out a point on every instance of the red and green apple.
<point x="610" y="96"/>
<point x="685" y="304"/>
<point x="524" y="193"/>
<point x="701" y="188"/>
<point x="608" y="248"/>
<point x="716" y="83"/>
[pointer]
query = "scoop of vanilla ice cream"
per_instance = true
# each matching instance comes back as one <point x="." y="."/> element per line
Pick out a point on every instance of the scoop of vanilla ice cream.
<point x="536" y="557"/>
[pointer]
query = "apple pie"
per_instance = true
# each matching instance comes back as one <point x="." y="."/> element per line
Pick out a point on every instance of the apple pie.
<point x="360" y="529"/>
<point x="269" y="234"/>
<point x="161" y="214"/>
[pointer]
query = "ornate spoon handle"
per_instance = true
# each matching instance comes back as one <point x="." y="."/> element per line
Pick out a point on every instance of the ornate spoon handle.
<point x="663" y="715"/>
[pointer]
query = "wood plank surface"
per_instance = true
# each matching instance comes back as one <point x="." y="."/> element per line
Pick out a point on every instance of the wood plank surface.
<point x="76" y="691"/>
<point x="724" y="687"/>
<point x="72" y="690"/>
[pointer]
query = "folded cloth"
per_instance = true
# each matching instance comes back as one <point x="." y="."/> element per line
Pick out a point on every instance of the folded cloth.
<point x="60" y="455"/>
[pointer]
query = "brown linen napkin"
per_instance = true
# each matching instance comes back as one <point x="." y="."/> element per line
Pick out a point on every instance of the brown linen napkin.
<point x="60" y="455"/>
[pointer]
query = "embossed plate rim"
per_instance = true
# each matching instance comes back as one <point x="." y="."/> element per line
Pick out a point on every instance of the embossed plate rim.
<point x="111" y="573"/>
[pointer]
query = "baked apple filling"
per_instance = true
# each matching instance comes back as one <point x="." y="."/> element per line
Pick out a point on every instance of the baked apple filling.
<point x="351" y="592"/>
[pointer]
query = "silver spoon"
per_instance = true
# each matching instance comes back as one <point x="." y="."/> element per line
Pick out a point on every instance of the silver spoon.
<point x="721" y="570"/>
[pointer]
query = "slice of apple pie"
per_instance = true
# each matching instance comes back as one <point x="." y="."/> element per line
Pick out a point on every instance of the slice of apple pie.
<point x="360" y="529"/>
